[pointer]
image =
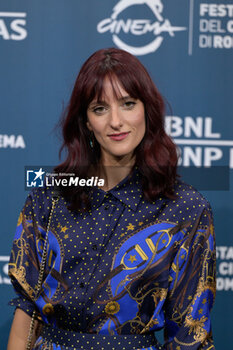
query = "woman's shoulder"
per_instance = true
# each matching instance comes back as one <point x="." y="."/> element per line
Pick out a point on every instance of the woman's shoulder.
<point x="189" y="204"/>
<point x="189" y="197"/>
<point x="40" y="198"/>
<point x="42" y="193"/>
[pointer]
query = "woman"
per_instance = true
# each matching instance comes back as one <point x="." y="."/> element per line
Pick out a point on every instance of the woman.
<point x="126" y="259"/>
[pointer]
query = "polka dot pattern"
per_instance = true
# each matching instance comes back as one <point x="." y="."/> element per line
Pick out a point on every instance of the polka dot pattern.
<point x="82" y="247"/>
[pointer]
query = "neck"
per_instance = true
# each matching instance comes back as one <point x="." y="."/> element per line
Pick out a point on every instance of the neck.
<point x="115" y="170"/>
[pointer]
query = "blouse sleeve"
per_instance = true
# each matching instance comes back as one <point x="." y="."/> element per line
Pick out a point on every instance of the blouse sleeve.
<point x="24" y="259"/>
<point x="192" y="289"/>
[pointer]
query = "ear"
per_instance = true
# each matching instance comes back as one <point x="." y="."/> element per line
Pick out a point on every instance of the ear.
<point x="89" y="126"/>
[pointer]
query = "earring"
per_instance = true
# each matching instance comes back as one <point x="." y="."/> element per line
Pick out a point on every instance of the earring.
<point x="91" y="141"/>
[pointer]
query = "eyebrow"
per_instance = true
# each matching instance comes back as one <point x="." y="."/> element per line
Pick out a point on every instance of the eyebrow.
<point x="123" y="98"/>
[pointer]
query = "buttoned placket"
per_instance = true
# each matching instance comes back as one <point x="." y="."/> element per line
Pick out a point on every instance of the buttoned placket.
<point x="110" y="210"/>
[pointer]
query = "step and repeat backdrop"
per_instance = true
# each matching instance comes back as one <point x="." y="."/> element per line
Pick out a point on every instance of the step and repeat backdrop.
<point x="186" y="45"/>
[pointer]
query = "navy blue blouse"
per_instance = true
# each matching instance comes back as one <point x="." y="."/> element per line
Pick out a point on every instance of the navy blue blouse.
<point x="126" y="266"/>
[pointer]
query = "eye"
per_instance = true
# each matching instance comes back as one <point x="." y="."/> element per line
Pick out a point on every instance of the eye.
<point x="129" y="104"/>
<point x="99" y="109"/>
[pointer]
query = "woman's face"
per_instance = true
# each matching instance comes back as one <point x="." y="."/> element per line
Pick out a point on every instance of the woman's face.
<point x="117" y="123"/>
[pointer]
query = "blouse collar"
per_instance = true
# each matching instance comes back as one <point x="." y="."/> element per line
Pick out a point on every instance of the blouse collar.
<point x="128" y="192"/>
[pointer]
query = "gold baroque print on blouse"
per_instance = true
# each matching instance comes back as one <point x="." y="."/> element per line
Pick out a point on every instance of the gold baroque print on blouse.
<point x="112" y="307"/>
<point x="149" y="284"/>
<point x="19" y="274"/>
<point x="196" y="327"/>
<point x="159" y="294"/>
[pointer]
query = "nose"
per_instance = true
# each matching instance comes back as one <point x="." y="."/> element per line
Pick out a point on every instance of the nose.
<point x="116" y="120"/>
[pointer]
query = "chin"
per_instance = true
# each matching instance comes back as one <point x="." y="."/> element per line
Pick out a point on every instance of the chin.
<point x="122" y="154"/>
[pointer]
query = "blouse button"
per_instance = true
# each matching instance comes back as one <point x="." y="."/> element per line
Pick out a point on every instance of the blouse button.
<point x="106" y="207"/>
<point x="48" y="309"/>
<point x="94" y="247"/>
<point x="81" y="285"/>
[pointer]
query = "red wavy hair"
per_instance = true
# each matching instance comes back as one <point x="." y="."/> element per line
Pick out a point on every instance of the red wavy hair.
<point x="156" y="156"/>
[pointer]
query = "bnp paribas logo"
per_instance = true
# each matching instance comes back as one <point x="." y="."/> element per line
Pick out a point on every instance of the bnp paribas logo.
<point x="123" y="26"/>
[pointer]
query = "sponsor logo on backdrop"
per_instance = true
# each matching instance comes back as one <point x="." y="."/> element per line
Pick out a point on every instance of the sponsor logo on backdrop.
<point x="200" y="144"/>
<point x="12" y="141"/>
<point x="12" y="25"/>
<point x="158" y="27"/>
<point x="225" y="268"/>
<point x="216" y="26"/>
<point x="4" y="279"/>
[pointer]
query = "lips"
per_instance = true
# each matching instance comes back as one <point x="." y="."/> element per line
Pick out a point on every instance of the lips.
<point x="119" y="136"/>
